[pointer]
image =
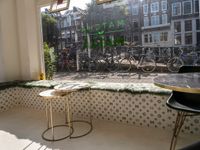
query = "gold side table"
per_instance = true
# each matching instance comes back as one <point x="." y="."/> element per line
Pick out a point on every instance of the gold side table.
<point x="72" y="88"/>
<point x="49" y="95"/>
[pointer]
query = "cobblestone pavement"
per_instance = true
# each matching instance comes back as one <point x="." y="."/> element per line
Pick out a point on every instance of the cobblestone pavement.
<point x="107" y="77"/>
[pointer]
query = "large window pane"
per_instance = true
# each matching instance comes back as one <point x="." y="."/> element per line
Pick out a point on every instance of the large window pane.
<point x="198" y="38"/>
<point x="156" y="37"/>
<point x="164" y="19"/>
<point x="187" y="7"/>
<point x="155" y="7"/>
<point x="146" y="21"/>
<point x="155" y="20"/>
<point x="198" y="24"/>
<point x="145" y="9"/>
<point x="177" y="26"/>
<point x="164" y="36"/>
<point x="188" y="38"/>
<point x="196" y="6"/>
<point x="135" y="9"/>
<point x="164" y="5"/>
<point x="176" y="9"/>
<point x="177" y="39"/>
<point x="188" y="25"/>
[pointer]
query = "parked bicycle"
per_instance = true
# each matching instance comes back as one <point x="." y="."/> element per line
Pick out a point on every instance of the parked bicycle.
<point x="141" y="58"/>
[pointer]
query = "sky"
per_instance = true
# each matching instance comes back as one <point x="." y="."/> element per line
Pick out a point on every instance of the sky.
<point x="78" y="3"/>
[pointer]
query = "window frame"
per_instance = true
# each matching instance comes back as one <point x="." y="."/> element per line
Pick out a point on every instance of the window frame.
<point x="195" y="7"/>
<point x="155" y="16"/>
<point x="163" y="35"/>
<point x="184" y="7"/>
<point x="175" y="39"/>
<point x="136" y="6"/>
<point x="157" y="10"/>
<point x="180" y="26"/>
<point x="179" y="3"/>
<point x="185" y="26"/>
<point x="147" y="10"/>
<point x="164" y="1"/>
<point x="146" y="18"/>
<point x="165" y="19"/>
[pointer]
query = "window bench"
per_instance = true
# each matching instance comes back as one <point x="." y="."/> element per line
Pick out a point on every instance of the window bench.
<point x="139" y="104"/>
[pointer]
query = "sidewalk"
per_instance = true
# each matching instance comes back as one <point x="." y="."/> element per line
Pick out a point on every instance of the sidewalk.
<point x="107" y="77"/>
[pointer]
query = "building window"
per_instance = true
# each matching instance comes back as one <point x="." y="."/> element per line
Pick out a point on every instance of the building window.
<point x="177" y="27"/>
<point x="154" y="7"/>
<point x="164" y="36"/>
<point x="156" y="37"/>
<point x="164" y="5"/>
<point x="146" y="21"/>
<point x="135" y="24"/>
<point x="146" y="38"/>
<point x="197" y="24"/>
<point x="177" y="39"/>
<point x="164" y="19"/>
<point x="196" y="6"/>
<point x="136" y="38"/>
<point x="155" y="20"/>
<point x="187" y="7"/>
<point x="176" y="9"/>
<point x="188" y="25"/>
<point x="188" y="38"/>
<point x="198" y="38"/>
<point x="135" y="9"/>
<point x="145" y="9"/>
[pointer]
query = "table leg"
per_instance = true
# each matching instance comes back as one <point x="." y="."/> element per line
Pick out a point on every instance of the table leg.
<point x="178" y="125"/>
<point x="51" y="119"/>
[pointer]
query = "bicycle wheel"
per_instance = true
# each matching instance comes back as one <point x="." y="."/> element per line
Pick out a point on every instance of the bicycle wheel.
<point x="101" y="64"/>
<point x="112" y="64"/>
<point x="174" y="64"/>
<point x="147" y="65"/>
<point x="124" y="65"/>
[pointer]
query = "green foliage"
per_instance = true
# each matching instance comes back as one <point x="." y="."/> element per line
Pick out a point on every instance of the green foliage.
<point x="50" y="61"/>
<point x="50" y="29"/>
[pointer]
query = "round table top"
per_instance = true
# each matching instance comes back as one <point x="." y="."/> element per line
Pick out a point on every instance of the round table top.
<point x="71" y="87"/>
<point x="51" y="94"/>
<point x="181" y="82"/>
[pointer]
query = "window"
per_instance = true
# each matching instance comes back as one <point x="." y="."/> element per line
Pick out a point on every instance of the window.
<point x="187" y="7"/>
<point x="188" y="38"/>
<point x="150" y="38"/>
<point x="135" y="24"/>
<point x="196" y="6"/>
<point x="135" y="9"/>
<point x="156" y="37"/>
<point x="176" y="9"/>
<point x="164" y="5"/>
<point x="155" y="20"/>
<point x="197" y="24"/>
<point x="164" y="36"/>
<point x="146" y="38"/>
<point x="146" y="21"/>
<point x="155" y="7"/>
<point x="188" y="25"/>
<point x="136" y="38"/>
<point x="177" y="39"/>
<point x="164" y="19"/>
<point x="145" y="9"/>
<point x="198" y="38"/>
<point x="177" y="26"/>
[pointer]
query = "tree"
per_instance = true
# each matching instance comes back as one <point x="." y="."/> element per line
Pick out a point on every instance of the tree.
<point x="50" y="29"/>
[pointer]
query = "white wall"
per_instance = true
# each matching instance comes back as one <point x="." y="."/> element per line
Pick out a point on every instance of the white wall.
<point x="2" y="76"/>
<point x="10" y="65"/>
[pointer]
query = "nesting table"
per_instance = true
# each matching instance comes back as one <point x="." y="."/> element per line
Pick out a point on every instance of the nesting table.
<point x="64" y="90"/>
